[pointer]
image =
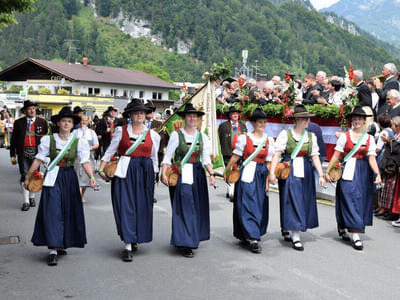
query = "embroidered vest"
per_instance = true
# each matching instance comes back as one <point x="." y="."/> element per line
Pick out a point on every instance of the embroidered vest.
<point x="69" y="158"/>
<point x="30" y="136"/>
<point x="249" y="149"/>
<point x="184" y="147"/>
<point x="291" y="145"/>
<point x="234" y="135"/>
<point x="361" y="152"/>
<point x="143" y="150"/>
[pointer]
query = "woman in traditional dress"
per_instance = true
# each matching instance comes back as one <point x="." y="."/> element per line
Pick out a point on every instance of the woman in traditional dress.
<point x="190" y="204"/>
<point x="297" y="193"/>
<point x="133" y="182"/>
<point x="354" y="191"/>
<point x="84" y="132"/>
<point x="250" y="205"/>
<point x="60" y="222"/>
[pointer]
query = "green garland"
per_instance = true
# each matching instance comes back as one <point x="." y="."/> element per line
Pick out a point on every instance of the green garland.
<point x="319" y="110"/>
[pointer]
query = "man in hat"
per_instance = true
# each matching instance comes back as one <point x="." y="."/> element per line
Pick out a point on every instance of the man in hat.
<point x="228" y="133"/>
<point x="78" y="111"/>
<point x="106" y="127"/>
<point x="25" y="140"/>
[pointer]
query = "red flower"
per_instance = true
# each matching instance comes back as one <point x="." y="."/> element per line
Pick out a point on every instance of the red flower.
<point x="245" y="98"/>
<point x="37" y="174"/>
<point x="286" y="164"/>
<point x="351" y="73"/>
<point x="113" y="158"/>
<point x="287" y="76"/>
<point x="241" y="82"/>
<point x="175" y="168"/>
<point x="234" y="167"/>
<point x="337" y="166"/>
<point x="342" y="110"/>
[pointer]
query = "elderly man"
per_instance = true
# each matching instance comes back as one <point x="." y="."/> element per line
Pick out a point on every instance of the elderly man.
<point x="364" y="93"/>
<point x="276" y="80"/>
<point x="393" y="102"/>
<point x="320" y="77"/>
<point x="389" y="72"/>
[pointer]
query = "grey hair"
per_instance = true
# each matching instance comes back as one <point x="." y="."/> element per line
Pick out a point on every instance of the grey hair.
<point x="322" y="73"/>
<point x="277" y="78"/>
<point x="252" y="81"/>
<point x="395" y="94"/>
<point x="391" y="67"/>
<point x="396" y="121"/>
<point x="358" y="74"/>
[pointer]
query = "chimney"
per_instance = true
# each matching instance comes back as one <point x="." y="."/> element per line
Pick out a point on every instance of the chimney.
<point x="85" y="61"/>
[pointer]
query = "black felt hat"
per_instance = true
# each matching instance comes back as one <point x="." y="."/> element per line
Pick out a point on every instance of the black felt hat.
<point x="189" y="109"/>
<point x="300" y="111"/>
<point x="232" y="109"/>
<point x="358" y="112"/>
<point x="258" y="113"/>
<point x="27" y="103"/>
<point x="110" y="108"/>
<point x="65" y="112"/>
<point x="150" y="106"/>
<point x="77" y="109"/>
<point x="134" y="105"/>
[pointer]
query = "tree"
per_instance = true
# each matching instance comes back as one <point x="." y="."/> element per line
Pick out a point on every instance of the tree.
<point x="9" y="7"/>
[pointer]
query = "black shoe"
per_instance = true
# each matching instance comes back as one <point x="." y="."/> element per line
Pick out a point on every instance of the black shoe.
<point x="62" y="252"/>
<point x="134" y="247"/>
<point x="187" y="252"/>
<point x="127" y="255"/>
<point x="343" y="234"/>
<point x="52" y="260"/>
<point x="297" y="245"/>
<point x="286" y="236"/>
<point x="391" y="217"/>
<point x="25" y="207"/>
<point x="32" y="202"/>
<point x="357" y="244"/>
<point x="255" y="248"/>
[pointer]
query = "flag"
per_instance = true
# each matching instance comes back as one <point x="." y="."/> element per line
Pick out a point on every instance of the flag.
<point x="203" y="100"/>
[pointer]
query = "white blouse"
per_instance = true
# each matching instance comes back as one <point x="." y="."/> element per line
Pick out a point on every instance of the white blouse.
<point x="44" y="148"/>
<point x="241" y="143"/>
<point x="281" y="141"/>
<point x="174" y="143"/>
<point x="343" y="139"/>
<point x="88" y="134"/>
<point x="336" y="98"/>
<point x="117" y="136"/>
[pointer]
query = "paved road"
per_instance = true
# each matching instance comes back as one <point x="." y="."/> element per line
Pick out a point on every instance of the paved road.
<point x="327" y="269"/>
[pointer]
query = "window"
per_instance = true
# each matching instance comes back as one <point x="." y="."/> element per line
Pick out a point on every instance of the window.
<point x="96" y="91"/>
<point x="125" y="93"/>
<point x="159" y="96"/>
<point x="113" y="92"/>
<point x="154" y="95"/>
<point x="90" y="91"/>
<point x="141" y="94"/>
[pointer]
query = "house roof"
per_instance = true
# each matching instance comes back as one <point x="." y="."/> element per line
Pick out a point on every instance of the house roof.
<point x="90" y="73"/>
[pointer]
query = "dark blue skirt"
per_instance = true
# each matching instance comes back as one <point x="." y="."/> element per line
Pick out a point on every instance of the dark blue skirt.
<point x="60" y="221"/>
<point x="132" y="199"/>
<point x="354" y="199"/>
<point x="298" y="201"/>
<point x="250" y="206"/>
<point x="191" y="211"/>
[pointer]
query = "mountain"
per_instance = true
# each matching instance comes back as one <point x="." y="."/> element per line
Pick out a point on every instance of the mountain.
<point x="354" y="29"/>
<point x="305" y="3"/>
<point x="380" y="18"/>
<point x="149" y="35"/>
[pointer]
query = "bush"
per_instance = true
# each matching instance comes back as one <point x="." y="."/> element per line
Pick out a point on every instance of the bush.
<point x="45" y="91"/>
<point x="31" y="89"/>
<point x="62" y="92"/>
<point x="15" y="89"/>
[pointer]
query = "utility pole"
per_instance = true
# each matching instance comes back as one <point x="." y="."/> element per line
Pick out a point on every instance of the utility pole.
<point x="70" y="48"/>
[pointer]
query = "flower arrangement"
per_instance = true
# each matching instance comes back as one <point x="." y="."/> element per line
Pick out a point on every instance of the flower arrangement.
<point x="348" y="96"/>
<point x="36" y="174"/>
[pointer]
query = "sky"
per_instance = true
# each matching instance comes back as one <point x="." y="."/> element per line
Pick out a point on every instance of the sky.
<point x="318" y="4"/>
